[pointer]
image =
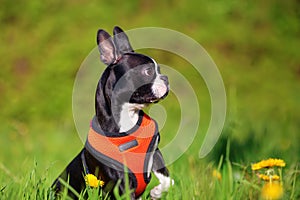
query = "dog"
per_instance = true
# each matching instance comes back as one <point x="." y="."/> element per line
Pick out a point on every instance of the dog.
<point x="122" y="143"/>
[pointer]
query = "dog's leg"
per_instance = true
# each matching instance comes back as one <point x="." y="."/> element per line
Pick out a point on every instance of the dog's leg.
<point x="165" y="183"/>
<point x="162" y="173"/>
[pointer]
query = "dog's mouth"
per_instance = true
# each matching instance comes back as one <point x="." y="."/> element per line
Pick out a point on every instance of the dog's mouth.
<point x="147" y="99"/>
<point x="156" y="100"/>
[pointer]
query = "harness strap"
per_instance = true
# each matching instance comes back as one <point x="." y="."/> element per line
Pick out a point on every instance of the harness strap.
<point x="85" y="167"/>
<point x="133" y="150"/>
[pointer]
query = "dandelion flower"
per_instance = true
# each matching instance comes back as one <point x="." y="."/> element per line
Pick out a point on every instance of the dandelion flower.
<point x="269" y="177"/>
<point x="268" y="163"/>
<point x="217" y="174"/>
<point x="92" y="181"/>
<point x="272" y="191"/>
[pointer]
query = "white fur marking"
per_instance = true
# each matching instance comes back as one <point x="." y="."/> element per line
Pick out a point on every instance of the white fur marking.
<point x="165" y="183"/>
<point x="159" y="87"/>
<point x="129" y="116"/>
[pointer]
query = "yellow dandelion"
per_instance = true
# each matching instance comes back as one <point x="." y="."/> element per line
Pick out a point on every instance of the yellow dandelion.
<point x="268" y="163"/>
<point x="92" y="181"/>
<point x="272" y="191"/>
<point x="217" y="174"/>
<point x="269" y="177"/>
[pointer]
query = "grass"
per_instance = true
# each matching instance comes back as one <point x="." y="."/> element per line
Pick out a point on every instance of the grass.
<point x="254" y="44"/>
<point x="228" y="180"/>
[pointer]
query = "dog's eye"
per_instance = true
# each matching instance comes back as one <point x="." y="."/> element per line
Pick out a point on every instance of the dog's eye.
<point x="149" y="71"/>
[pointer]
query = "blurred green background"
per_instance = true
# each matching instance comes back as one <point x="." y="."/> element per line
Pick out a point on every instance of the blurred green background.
<point x="255" y="44"/>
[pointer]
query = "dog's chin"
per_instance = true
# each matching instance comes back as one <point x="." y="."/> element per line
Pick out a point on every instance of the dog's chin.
<point x="148" y="100"/>
<point x="156" y="100"/>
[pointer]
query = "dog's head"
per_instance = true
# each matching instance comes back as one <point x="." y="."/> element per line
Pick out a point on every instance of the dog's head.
<point x="129" y="77"/>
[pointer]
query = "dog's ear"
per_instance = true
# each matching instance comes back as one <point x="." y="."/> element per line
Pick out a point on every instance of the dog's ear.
<point x="106" y="47"/>
<point x="121" y="41"/>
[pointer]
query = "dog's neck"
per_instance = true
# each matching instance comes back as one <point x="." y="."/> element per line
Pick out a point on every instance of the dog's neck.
<point x="121" y="119"/>
<point x="129" y="116"/>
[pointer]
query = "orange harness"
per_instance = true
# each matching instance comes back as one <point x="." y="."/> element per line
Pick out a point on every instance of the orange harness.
<point x="133" y="149"/>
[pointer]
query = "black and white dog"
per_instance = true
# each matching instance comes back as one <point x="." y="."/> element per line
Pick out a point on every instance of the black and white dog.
<point x="123" y="140"/>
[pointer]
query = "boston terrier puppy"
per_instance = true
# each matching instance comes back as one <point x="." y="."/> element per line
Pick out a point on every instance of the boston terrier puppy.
<point x="122" y="143"/>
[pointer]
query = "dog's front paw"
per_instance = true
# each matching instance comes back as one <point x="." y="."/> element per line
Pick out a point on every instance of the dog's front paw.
<point x="156" y="192"/>
<point x="165" y="183"/>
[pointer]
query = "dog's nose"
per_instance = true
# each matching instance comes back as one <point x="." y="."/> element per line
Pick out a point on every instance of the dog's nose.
<point x="165" y="79"/>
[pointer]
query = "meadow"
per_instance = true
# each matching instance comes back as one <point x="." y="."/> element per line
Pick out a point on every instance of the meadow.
<point x="254" y="44"/>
